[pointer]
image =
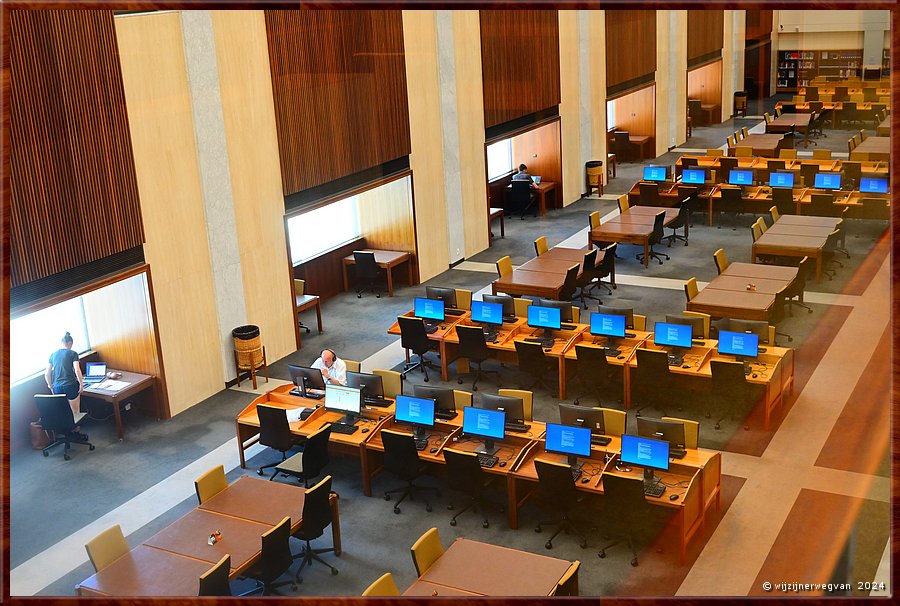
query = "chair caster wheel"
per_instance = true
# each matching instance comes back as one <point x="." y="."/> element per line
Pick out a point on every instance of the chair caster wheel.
<point x="293" y="587"/>
<point x="583" y="544"/>
<point x="548" y="545"/>
<point x="717" y="426"/>
<point x="459" y="381"/>
<point x="426" y="379"/>
<point x="91" y="447"/>
<point x="387" y="497"/>
<point x="474" y="388"/>
<point x="449" y="507"/>
<point x="67" y="457"/>
<point x="485" y="524"/>
<point x="746" y="428"/>
<point x="396" y="510"/>
<point x="634" y="562"/>
<point x="601" y="555"/>
<point x="377" y="296"/>
<point x="575" y="402"/>
<point x="358" y="296"/>
<point x="537" y="528"/>
<point x="46" y="454"/>
<point x="428" y="508"/>
<point x="453" y="522"/>
<point x="334" y="572"/>
<point x="259" y="472"/>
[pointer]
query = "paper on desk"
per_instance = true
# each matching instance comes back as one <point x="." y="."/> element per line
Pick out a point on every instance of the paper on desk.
<point x="293" y="415"/>
<point x="112" y="385"/>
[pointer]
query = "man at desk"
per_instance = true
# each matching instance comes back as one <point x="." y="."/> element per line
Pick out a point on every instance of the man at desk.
<point x="334" y="370"/>
<point x="523" y="175"/>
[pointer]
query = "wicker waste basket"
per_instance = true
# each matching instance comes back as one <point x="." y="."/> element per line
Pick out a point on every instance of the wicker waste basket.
<point x="249" y="352"/>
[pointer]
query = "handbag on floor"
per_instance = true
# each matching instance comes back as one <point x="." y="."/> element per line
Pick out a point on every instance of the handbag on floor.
<point x="40" y="439"/>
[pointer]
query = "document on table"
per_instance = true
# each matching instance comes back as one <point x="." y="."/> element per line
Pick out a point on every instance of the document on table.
<point x="112" y="385"/>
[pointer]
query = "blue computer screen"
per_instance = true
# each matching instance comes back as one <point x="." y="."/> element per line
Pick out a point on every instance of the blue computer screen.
<point x="693" y="175"/>
<point x="483" y="423"/>
<point x="674" y="335"/>
<point x="607" y="325"/>
<point x="869" y="185"/>
<point x="781" y="179"/>
<point x="645" y="452"/>
<point x="567" y="440"/>
<point x="740" y="177"/>
<point x="543" y="317"/>
<point x="489" y="313"/>
<point x="654" y="173"/>
<point x="827" y="181"/>
<point x="415" y="410"/>
<point x="428" y="309"/>
<point x="738" y="344"/>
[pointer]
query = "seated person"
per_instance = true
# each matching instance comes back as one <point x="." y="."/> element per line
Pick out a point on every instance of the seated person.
<point x="522" y="175"/>
<point x="334" y="370"/>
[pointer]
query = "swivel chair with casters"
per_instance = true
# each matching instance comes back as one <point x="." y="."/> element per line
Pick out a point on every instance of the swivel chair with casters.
<point x="309" y="463"/>
<point x="607" y="268"/>
<point x="367" y="272"/>
<point x="623" y="146"/>
<point x="426" y="550"/>
<point x="522" y="198"/>
<point x="214" y="582"/>
<point x="556" y="491"/>
<point x="275" y="558"/>
<point x="653" y="384"/>
<point x="465" y="475"/>
<point x="731" y="203"/>
<point x="760" y="328"/>
<point x="796" y="288"/>
<point x="210" y="484"/>
<point x="106" y="547"/>
<point x="414" y="338"/>
<point x="533" y="362"/>
<point x="402" y="459"/>
<point x="567" y="290"/>
<point x="57" y="417"/>
<point x="589" y="272"/>
<point x="726" y="165"/>
<point x="625" y="507"/>
<point x="655" y="238"/>
<point x="595" y="375"/>
<point x="691" y="431"/>
<point x="684" y="214"/>
<point x="730" y="389"/>
<point x="316" y="518"/>
<point x="473" y="346"/>
<point x="275" y="432"/>
<point x="783" y="198"/>
<point x="527" y="398"/>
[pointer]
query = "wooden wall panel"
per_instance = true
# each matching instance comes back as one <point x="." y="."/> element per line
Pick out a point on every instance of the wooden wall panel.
<point x="539" y="149"/>
<point x="386" y="217"/>
<point x="705" y="83"/>
<point x="636" y="113"/>
<point x="74" y="196"/>
<point x="630" y="45"/>
<point x="758" y="24"/>
<point x="519" y="63"/>
<point x="705" y="31"/>
<point x="339" y="85"/>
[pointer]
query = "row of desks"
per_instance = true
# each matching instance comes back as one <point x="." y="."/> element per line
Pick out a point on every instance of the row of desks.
<point x="835" y="107"/>
<point x="543" y="276"/>
<point x="796" y="236"/>
<point x="757" y="163"/>
<point x="634" y="226"/>
<point x="696" y="478"/>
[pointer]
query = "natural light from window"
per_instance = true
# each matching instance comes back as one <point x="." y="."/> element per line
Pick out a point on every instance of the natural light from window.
<point x="34" y="337"/>
<point x="312" y="233"/>
<point x="499" y="159"/>
<point x="610" y="114"/>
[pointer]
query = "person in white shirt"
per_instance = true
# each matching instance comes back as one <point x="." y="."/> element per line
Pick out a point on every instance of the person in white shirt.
<point x="334" y="370"/>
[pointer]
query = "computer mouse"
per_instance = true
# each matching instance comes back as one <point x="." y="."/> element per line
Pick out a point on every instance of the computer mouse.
<point x="495" y="342"/>
<point x="585" y="480"/>
<point x="674" y="497"/>
<point x="365" y="430"/>
<point x="754" y="375"/>
<point x="433" y="450"/>
<point x="502" y="463"/>
<point x="685" y="365"/>
<point x="620" y="357"/>
<point x="547" y="348"/>
<point x="443" y="327"/>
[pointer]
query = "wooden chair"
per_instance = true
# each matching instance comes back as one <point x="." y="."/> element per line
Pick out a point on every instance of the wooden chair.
<point x="594" y="178"/>
<point x="731" y="141"/>
<point x="464" y="299"/>
<point x="742" y="151"/>
<point x="303" y="301"/>
<point x="106" y="547"/>
<point x="383" y="587"/>
<point x="623" y="203"/>
<point x="767" y="117"/>
<point x="462" y="398"/>
<point x="426" y="551"/>
<point x="691" y="289"/>
<point x="504" y="266"/>
<point x="210" y="484"/>
<point x="721" y="260"/>
<point x="540" y="246"/>
<point x="821" y="154"/>
<point x="745" y="132"/>
<point x="863" y="135"/>
<point x="352" y="365"/>
<point x="715" y="152"/>
<point x="787" y="153"/>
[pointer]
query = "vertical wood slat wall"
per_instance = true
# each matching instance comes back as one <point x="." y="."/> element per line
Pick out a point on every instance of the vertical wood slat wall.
<point x="339" y="86"/>
<point x="519" y="63"/>
<point x="705" y="32"/>
<point x="630" y="45"/>
<point x="74" y="195"/>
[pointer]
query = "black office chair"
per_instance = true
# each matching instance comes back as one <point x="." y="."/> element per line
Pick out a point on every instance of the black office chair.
<point x="567" y="290"/>
<point x="689" y="196"/>
<point x="808" y="174"/>
<point x="309" y="463"/>
<point x="726" y="165"/>
<point x="821" y="205"/>
<point x="876" y="208"/>
<point x="649" y="194"/>
<point x="817" y="125"/>
<point x="783" y="197"/>
<point x="730" y="203"/>
<point x="849" y="113"/>
<point x="316" y="518"/>
<point x="829" y="255"/>
<point x="594" y="373"/>
<point x="684" y="214"/>
<point x="556" y="491"/>
<point x="214" y="582"/>
<point x="695" y="111"/>
<point x="402" y="459"/>
<point x="852" y="173"/>
<point x="533" y="362"/>
<point x="625" y="509"/>
<point x="57" y="417"/>
<point x="688" y="162"/>
<point x="274" y="432"/>
<point x="731" y="391"/>
<point x="465" y="475"/>
<point x="607" y="268"/>
<point x="760" y="328"/>
<point x="796" y="288"/>
<point x="275" y="558"/>
<point x="623" y="146"/>
<point x="473" y="346"/>
<point x="367" y="272"/>
<point x="414" y="338"/>
<point x="585" y="283"/>
<point x="628" y="312"/>
<point x="655" y="238"/>
<point x="653" y="384"/>
<point x="521" y="198"/>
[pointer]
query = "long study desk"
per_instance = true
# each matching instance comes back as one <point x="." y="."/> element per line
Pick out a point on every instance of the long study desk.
<point x="735" y="294"/>
<point x="765" y="145"/>
<point x="634" y="226"/>
<point x="873" y="148"/>
<point x="874" y="168"/>
<point x="545" y="275"/>
<point x="758" y="199"/>
<point x="790" y="122"/>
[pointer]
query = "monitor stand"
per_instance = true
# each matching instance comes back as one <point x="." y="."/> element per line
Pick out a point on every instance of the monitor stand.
<point x="547" y="337"/>
<point x="488" y="448"/>
<point x="348" y="419"/>
<point x="649" y="478"/>
<point x="419" y="434"/>
<point x="676" y="355"/>
<point x="489" y="330"/>
<point x="612" y="345"/>
<point x="575" y="465"/>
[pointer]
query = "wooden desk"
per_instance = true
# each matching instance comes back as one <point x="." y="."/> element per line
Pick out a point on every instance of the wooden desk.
<point x="541" y="190"/>
<point x="472" y="567"/>
<point x="884" y="129"/>
<point x="433" y="590"/>
<point x="874" y="148"/>
<point x="811" y="220"/>
<point x="643" y="144"/>
<point x="147" y="572"/>
<point x="387" y="260"/>
<point x="631" y="227"/>
<point x="710" y="110"/>
<point x="138" y="383"/>
<point x="786" y="123"/>
<point x="626" y="347"/>
<point x="773" y="243"/>
<point x="535" y="283"/>
<point x="765" y="145"/>
<point x="304" y="302"/>
<point x="497" y="213"/>
<point x="770" y="272"/>
<point x="726" y="296"/>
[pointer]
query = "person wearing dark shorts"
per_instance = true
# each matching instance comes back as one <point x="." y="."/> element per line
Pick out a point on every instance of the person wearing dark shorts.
<point x="63" y="374"/>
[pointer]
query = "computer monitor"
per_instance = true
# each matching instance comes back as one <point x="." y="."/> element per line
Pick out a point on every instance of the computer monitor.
<point x="827" y="181"/>
<point x="347" y="400"/>
<point x="872" y="185"/>
<point x="740" y="177"/>
<point x="487" y="313"/>
<point x="370" y="385"/>
<point x="564" y="307"/>
<point x="571" y="441"/>
<point x="547" y="318"/>
<point x="418" y="412"/>
<point x="781" y="179"/>
<point x="698" y="325"/>
<point x="607" y="325"/>
<point x="646" y="452"/>
<point x="582" y="416"/>
<point x="513" y="407"/>
<point x="306" y="378"/>
<point x="739" y="344"/>
<point x="658" y="429"/>
<point x="487" y="424"/>
<point x="508" y="303"/>
<point x="447" y="295"/>
<point x="672" y="335"/>
<point x="442" y="396"/>
<point x="429" y="309"/>
<point x="536" y="179"/>
<point x="654" y="173"/>
<point x="693" y="176"/>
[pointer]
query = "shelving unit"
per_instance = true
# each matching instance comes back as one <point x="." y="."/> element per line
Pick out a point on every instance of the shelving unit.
<point x="885" y="62"/>
<point x="796" y="69"/>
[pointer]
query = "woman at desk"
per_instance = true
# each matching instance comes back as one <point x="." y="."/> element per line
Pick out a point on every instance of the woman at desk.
<point x="63" y="374"/>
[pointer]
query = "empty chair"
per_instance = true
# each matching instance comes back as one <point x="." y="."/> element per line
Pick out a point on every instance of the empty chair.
<point x="876" y="208"/>
<point x="863" y="135"/>
<point x="787" y="153"/>
<point x="534" y="363"/>
<point x="521" y="198"/>
<point x="808" y="173"/>
<point x="521" y="306"/>
<point x="631" y="318"/>
<point x="556" y="492"/>
<point x="690" y="289"/>
<point x="796" y="288"/>
<point x="688" y="162"/>
<point x="567" y="291"/>
<point x="473" y="346"/>
<point x="414" y="338"/>
<point x="402" y="459"/>
<point x="721" y="260"/>
<point x="317" y="516"/>
<point x="504" y="266"/>
<point x="691" y="431"/>
<point x="275" y="557"/>
<point x="715" y="152"/>
<point x="308" y="464"/>
<point x="465" y="475"/>
<point x="214" y="582"/>
<point x="821" y="154"/>
<point x="57" y="417"/>
<point x="426" y="550"/>
<point x="649" y="194"/>
<point x="623" y="205"/>
<point x="568" y="582"/>
<point x="463" y="298"/>
<point x="274" y="432"/>
<point x="595" y="375"/>
<point x="821" y="205"/>
<point x="773" y="212"/>
<point x="828" y="253"/>
<point x="391" y="381"/>
<point x="607" y="268"/>
<point x="540" y="246"/>
<point x="743" y="151"/>
<point x="852" y="173"/>
<point x="681" y="223"/>
<point x="651" y="382"/>
<point x="655" y="238"/>
<point x="730" y="203"/>
<point x="589" y="273"/>
<point x="698" y="321"/>
<point x="778" y="111"/>
<point x="767" y="117"/>
<point x="352" y="365"/>
<point x="614" y="421"/>
<point x="210" y="484"/>
<point x="745" y="132"/>
<point x="730" y="140"/>
<point x="623" y="146"/>
<point x="695" y="110"/>
<point x="726" y="165"/>
<point x="383" y="587"/>
<point x="760" y="328"/>
<point x="594" y="177"/>
<point x="783" y="198"/>
<point x="730" y="390"/>
<point x="106" y="547"/>
<point x="625" y="510"/>
<point x="367" y="272"/>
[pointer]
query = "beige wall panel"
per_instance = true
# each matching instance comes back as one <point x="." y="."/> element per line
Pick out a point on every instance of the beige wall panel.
<point x="820" y="40"/>
<point x="470" y="113"/>
<point x="386" y="217"/>
<point x="426" y="159"/>
<point x="249" y="116"/>
<point x="597" y="34"/>
<point x="569" y="108"/>
<point x="705" y="83"/>
<point x="732" y="59"/>
<point x="165" y="158"/>
<point x="671" y="44"/>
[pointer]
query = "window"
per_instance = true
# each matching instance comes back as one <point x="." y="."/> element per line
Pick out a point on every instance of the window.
<point x="34" y="337"/>
<point x="499" y="159"/>
<point x="610" y="115"/>
<point x="313" y="232"/>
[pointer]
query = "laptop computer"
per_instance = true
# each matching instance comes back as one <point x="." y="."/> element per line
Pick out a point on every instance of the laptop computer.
<point x="96" y="372"/>
<point x="536" y="179"/>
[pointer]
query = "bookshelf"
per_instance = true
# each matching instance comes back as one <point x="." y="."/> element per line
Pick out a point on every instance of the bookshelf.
<point x="797" y="68"/>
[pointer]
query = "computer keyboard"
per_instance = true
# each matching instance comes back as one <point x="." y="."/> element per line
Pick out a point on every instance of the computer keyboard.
<point x="487" y="460"/>
<point x="677" y="453"/>
<point x="422" y="444"/>
<point x="343" y="428"/>
<point x="576" y="473"/>
<point x="376" y="401"/>
<point x="675" y="361"/>
<point x="567" y="326"/>
<point x="446" y="415"/>
<point x="654" y="489"/>
<point x="630" y="335"/>
<point x="430" y="328"/>
<point x="611" y="353"/>
<point x="541" y="342"/>
<point x="516" y="427"/>
<point x="453" y="312"/>
<point x="600" y="440"/>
